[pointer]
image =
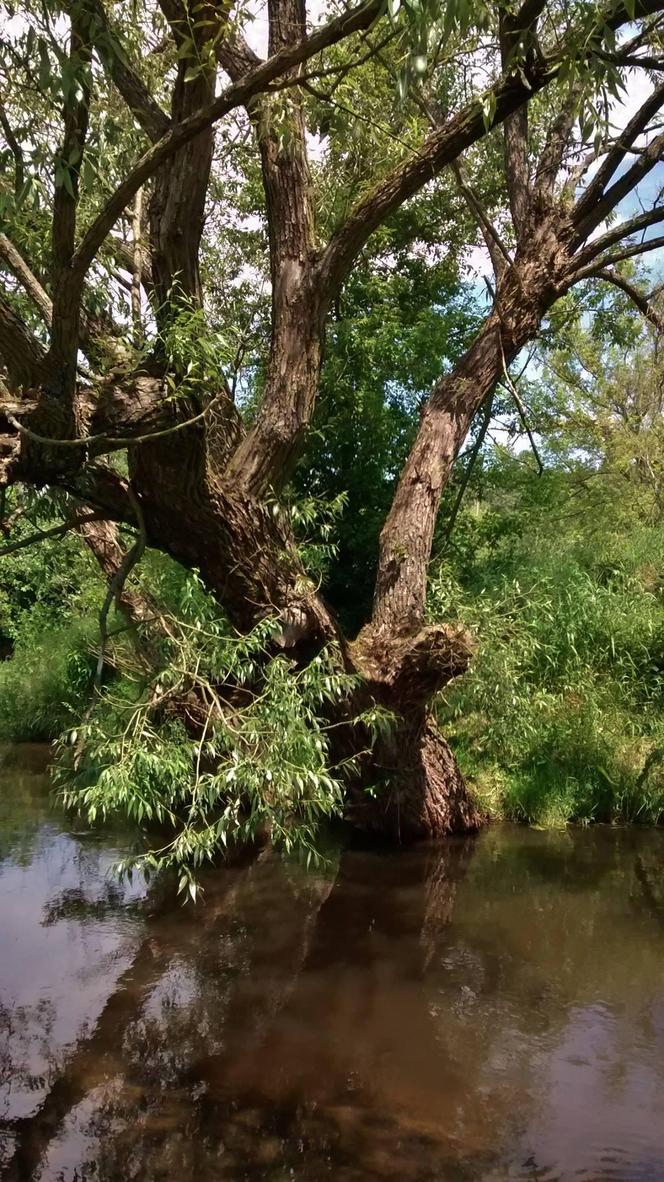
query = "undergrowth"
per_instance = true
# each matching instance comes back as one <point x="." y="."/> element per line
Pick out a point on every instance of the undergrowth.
<point x="560" y="716"/>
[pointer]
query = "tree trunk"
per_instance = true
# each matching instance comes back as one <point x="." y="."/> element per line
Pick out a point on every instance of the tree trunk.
<point x="405" y="662"/>
<point x="418" y="792"/>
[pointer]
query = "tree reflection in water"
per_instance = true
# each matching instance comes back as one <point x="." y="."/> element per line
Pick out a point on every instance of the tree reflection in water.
<point x="477" y="1010"/>
<point x="240" y="1031"/>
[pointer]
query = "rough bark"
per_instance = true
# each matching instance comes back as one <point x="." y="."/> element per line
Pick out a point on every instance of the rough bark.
<point x="417" y="791"/>
<point x="264" y="458"/>
<point x="526" y="291"/>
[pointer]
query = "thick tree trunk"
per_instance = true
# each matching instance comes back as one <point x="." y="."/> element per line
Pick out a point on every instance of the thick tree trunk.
<point x="411" y="788"/>
<point x="418" y="792"/>
<point x="407" y="663"/>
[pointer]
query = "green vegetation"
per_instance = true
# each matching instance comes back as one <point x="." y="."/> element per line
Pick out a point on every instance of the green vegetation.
<point x="560" y="576"/>
<point x="297" y="378"/>
<point x="48" y="603"/>
<point x="563" y="704"/>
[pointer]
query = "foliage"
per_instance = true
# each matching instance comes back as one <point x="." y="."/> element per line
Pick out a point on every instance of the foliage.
<point x="49" y="596"/>
<point x="256" y="762"/>
<point x="563" y="704"/>
<point x="46" y="684"/>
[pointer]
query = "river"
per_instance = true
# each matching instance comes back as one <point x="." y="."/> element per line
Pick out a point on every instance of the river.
<point x="481" y="1010"/>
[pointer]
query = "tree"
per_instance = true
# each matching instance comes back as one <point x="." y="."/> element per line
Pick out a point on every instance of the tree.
<point x="202" y="480"/>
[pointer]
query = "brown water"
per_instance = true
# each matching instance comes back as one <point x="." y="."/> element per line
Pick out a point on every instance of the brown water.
<point x="488" y="1010"/>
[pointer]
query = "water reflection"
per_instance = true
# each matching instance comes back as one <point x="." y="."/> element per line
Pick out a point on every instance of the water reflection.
<point x="486" y="1010"/>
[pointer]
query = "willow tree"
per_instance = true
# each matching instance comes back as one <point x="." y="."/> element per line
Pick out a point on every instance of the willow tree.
<point x="116" y="410"/>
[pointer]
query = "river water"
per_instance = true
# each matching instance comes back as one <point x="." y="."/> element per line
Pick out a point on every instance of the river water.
<point x="488" y="1009"/>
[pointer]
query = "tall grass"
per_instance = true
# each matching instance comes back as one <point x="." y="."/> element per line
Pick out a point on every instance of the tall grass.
<point x="44" y="684"/>
<point x="50" y="596"/>
<point x="560" y="717"/>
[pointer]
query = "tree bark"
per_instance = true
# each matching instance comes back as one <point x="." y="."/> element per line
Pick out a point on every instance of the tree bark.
<point x="405" y="662"/>
<point x="418" y="792"/>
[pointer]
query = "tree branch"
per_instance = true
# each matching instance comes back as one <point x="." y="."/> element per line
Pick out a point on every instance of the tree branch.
<point x="95" y="329"/>
<point x="264" y="455"/>
<point x="510" y="386"/>
<point x="597" y="201"/>
<point x="474" y="453"/>
<point x="118" y="580"/>
<point x="637" y="297"/>
<point x="448" y="141"/>
<point x="500" y="257"/>
<point x="177" y="205"/>
<point x="615" y="156"/>
<point x="114" y="58"/>
<point x="515" y="129"/>
<point x="551" y="157"/>
<point x="14" y="148"/>
<point x="236" y="95"/>
<point x="66" y="292"/>
<point x="633" y="226"/>
<point x="616" y="256"/>
<point x="135" y="287"/>
<point x="439" y="149"/>
<point x="29" y="282"/>
<point x="56" y="531"/>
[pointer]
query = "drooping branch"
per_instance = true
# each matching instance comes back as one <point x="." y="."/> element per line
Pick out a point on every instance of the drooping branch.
<point x="116" y="584"/>
<point x="498" y="252"/>
<point x="510" y="386"/>
<point x="76" y="521"/>
<point x="144" y="419"/>
<point x="101" y="538"/>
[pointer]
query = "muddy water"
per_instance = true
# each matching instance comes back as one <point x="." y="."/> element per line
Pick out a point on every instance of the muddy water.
<point x="490" y="1010"/>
